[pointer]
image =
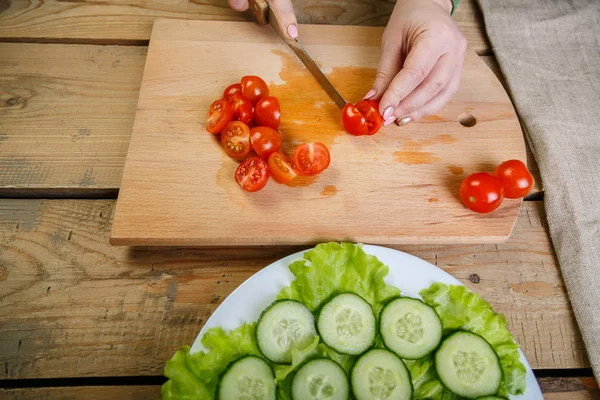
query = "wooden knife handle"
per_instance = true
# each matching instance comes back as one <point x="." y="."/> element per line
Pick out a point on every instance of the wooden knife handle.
<point x="260" y="8"/>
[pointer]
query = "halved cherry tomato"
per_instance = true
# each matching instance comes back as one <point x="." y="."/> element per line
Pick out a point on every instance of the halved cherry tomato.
<point x="481" y="192"/>
<point x="267" y="112"/>
<point x="252" y="174"/>
<point x="235" y="139"/>
<point x="281" y="167"/>
<point x="265" y="140"/>
<point x="515" y="177"/>
<point x="370" y="110"/>
<point x="232" y="89"/>
<point x="311" y="158"/>
<point x="254" y="88"/>
<point x="362" y="118"/>
<point x="242" y="108"/>
<point x="220" y="113"/>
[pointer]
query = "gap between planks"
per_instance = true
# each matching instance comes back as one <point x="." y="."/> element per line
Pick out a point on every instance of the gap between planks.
<point x="72" y="305"/>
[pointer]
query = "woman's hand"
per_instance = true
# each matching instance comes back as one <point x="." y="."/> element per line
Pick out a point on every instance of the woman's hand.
<point x="422" y="54"/>
<point x="283" y="10"/>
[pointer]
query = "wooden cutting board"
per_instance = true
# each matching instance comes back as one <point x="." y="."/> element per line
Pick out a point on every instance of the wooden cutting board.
<point x="398" y="186"/>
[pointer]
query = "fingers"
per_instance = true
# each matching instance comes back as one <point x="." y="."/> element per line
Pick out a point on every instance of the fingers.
<point x="436" y="81"/>
<point x="389" y="65"/>
<point x="436" y="103"/>
<point x="417" y="66"/>
<point x="285" y="15"/>
<point x="238" y="5"/>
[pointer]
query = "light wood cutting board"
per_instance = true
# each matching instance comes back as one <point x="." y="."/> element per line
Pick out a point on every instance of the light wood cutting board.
<point x="398" y="186"/>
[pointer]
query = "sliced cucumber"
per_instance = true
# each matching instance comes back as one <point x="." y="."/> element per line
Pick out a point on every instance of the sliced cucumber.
<point x="284" y="325"/>
<point x="248" y="378"/>
<point x="380" y="374"/>
<point x="468" y="365"/>
<point x="320" y="379"/>
<point x="410" y="328"/>
<point x="347" y="324"/>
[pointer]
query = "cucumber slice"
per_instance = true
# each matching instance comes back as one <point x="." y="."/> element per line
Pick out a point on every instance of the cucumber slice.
<point x="468" y="365"/>
<point x="410" y="328"/>
<point x="285" y="324"/>
<point x="320" y="379"/>
<point x="347" y="324"/>
<point x="380" y="374"/>
<point x="248" y="378"/>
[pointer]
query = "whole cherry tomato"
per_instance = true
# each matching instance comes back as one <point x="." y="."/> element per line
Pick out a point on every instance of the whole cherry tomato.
<point x="235" y="139"/>
<point x="254" y="88"/>
<point x="267" y="112"/>
<point x="515" y="178"/>
<point x="242" y="108"/>
<point x="231" y="89"/>
<point x="481" y="192"/>
<point x="220" y="113"/>
<point x="265" y="140"/>
<point x="252" y="174"/>
<point x="311" y="158"/>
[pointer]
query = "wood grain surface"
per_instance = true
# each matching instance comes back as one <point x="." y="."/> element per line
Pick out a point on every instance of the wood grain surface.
<point x="118" y="22"/>
<point x="72" y="305"/>
<point x="553" y="389"/>
<point x="178" y="186"/>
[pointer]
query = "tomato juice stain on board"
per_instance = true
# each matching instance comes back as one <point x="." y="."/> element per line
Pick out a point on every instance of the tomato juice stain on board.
<point x="413" y="150"/>
<point x="433" y="200"/>
<point x="415" y="157"/>
<point x="329" y="191"/>
<point x="455" y="170"/>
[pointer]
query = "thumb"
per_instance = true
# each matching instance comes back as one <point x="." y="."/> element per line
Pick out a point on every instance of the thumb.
<point x="285" y="15"/>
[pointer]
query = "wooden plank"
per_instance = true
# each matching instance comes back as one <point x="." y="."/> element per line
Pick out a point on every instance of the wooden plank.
<point x="405" y="179"/>
<point x="553" y="389"/>
<point x="71" y="305"/>
<point x="67" y="113"/>
<point x="83" y="392"/>
<point x="116" y="22"/>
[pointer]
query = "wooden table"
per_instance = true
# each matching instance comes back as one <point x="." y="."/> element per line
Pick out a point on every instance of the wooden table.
<point x="82" y="319"/>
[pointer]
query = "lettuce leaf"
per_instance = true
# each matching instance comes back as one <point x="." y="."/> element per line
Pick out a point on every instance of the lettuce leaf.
<point x="195" y="376"/>
<point x="333" y="268"/>
<point x="459" y="308"/>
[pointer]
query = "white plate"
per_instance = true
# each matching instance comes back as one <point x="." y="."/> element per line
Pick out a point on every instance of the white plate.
<point x="409" y="273"/>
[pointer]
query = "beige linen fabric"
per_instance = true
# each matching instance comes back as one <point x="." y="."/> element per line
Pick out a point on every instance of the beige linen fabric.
<point x="549" y="52"/>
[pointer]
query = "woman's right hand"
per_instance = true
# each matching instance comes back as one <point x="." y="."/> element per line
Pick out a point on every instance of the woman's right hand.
<point x="283" y="10"/>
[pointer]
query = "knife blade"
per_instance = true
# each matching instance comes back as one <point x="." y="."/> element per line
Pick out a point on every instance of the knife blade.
<point x="264" y="16"/>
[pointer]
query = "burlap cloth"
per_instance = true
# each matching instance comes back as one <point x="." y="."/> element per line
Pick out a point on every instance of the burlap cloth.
<point x="549" y="52"/>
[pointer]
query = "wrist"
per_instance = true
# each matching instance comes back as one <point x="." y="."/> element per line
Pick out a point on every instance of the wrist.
<point x="447" y="5"/>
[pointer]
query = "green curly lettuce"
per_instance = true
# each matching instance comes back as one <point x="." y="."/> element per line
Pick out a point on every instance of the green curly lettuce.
<point x="459" y="308"/>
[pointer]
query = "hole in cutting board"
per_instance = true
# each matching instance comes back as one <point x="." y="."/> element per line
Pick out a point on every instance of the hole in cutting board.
<point x="466" y="119"/>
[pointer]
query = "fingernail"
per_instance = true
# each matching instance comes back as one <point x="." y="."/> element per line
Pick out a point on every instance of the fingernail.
<point x="292" y="30"/>
<point x="388" y="121"/>
<point x="387" y="113"/>
<point x="371" y="93"/>
<point x="404" y="121"/>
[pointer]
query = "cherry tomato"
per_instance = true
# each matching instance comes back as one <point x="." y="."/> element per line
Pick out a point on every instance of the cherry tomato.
<point x="220" y="113"/>
<point x="362" y="118"/>
<point x="254" y="88"/>
<point x="370" y="110"/>
<point x="281" y="167"/>
<point x="311" y="158"/>
<point x="242" y="108"/>
<point x="252" y="174"/>
<point x="232" y="89"/>
<point x="235" y="139"/>
<point x="265" y="140"/>
<point x="515" y="178"/>
<point x="481" y="192"/>
<point x="268" y="112"/>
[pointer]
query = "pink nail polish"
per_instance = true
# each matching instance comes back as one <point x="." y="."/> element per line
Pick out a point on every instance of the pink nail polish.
<point x="370" y="94"/>
<point x="387" y="113"/>
<point x="292" y="30"/>
<point x="388" y="121"/>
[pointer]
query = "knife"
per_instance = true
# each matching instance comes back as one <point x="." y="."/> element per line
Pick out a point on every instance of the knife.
<point x="264" y="16"/>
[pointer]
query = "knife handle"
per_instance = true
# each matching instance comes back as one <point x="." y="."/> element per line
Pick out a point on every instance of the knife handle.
<point x="260" y="8"/>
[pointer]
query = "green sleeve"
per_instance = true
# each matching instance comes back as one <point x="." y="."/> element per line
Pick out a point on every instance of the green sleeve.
<point x="454" y="6"/>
